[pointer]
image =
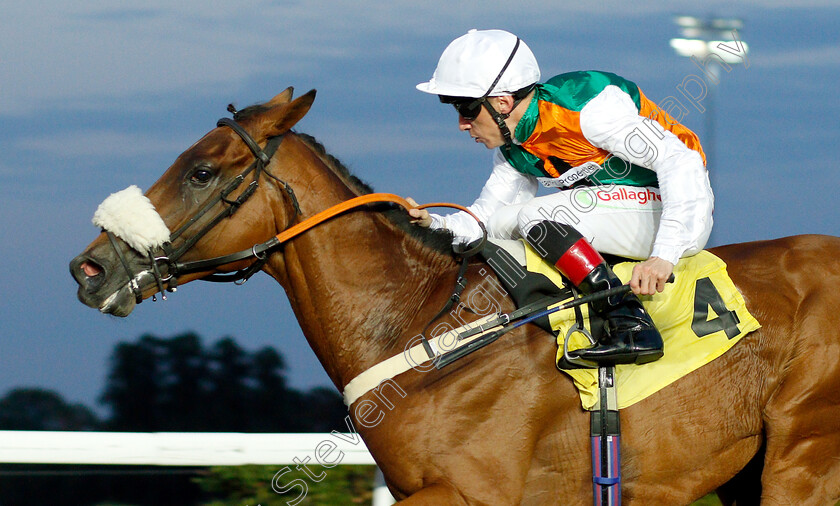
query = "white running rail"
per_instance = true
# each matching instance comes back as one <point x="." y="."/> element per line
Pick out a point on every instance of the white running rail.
<point x="187" y="449"/>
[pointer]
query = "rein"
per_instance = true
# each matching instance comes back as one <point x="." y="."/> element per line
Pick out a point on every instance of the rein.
<point x="259" y="252"/>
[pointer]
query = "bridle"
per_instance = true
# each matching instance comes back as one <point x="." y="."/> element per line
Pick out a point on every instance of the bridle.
<point x="171" y="255"/>
<point x="169" y="259"/>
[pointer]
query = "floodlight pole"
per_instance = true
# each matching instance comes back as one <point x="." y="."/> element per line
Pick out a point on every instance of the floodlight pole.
<point x="701" y="38"/>
<point x="709" y="124"/>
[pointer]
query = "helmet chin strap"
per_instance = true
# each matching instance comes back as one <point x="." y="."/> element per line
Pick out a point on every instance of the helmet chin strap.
<point x="500" y="118"/>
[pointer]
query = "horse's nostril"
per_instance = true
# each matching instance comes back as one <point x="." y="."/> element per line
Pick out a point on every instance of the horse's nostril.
<point x="90" y="268"/>
<point x="89" y="274"/>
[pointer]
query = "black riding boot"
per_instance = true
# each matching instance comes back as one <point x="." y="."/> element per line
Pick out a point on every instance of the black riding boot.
<point x="630" y="335"/>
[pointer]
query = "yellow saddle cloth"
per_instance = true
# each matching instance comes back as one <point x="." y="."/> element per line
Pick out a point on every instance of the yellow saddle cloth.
<point x="700" y="317"/>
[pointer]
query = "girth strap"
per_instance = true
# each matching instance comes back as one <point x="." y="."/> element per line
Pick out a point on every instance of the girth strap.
<point x="460" y="284"/>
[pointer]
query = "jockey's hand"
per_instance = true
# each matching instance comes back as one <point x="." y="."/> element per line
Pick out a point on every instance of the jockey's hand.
<point x="419" y="216"/>
<point x="650" y="276"/>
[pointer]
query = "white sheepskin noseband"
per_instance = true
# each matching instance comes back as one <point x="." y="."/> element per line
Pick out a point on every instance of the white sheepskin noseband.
<point x="130" y="215"/>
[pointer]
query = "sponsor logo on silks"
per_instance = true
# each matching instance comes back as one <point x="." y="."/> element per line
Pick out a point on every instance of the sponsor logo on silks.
<point x="571" y="176"/>
<point x="642" y="195"/>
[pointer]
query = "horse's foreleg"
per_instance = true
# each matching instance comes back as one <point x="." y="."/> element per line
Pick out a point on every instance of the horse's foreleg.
<point x="745" y="488"/>
<point x="802" y="420"/>
<point x="802" y="468"/>
<point x="435" y="495"/>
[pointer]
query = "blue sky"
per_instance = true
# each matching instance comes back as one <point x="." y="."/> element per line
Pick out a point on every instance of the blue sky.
<point x="95" y="96"/>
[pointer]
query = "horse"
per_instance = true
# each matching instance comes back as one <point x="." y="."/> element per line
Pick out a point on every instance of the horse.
<point x="502" y="425"/>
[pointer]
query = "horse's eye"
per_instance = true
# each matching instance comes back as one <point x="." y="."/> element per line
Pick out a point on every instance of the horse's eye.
<point x="201" y="176"/>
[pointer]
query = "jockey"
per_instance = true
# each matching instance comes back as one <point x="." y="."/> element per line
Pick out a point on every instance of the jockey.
<point x="631" y="181"/>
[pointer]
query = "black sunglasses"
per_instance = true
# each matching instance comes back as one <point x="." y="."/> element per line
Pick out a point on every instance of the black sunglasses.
<point x="468" y="108"/>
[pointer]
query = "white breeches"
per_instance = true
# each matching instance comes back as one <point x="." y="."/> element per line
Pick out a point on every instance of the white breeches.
<point x="618" y="220"/>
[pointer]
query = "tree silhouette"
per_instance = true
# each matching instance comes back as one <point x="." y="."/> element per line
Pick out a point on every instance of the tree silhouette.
<point x="185" y="384"/>
<point x="177" y="384"/>
<point x="231" y="391"/>
<point x="37" y="409"/>
<point x="321" y="410"/>
<point x="134" y="390"/>
<point x="273" y="403"/>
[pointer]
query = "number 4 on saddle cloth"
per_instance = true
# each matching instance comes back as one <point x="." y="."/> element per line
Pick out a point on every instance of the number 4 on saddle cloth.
<point x="700" y="317"/>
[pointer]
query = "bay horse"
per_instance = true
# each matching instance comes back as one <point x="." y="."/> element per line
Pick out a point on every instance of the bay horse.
<point x="501" y="426"/>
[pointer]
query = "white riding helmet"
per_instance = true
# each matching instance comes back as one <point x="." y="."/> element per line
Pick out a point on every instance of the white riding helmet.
<point x="471" y="63"/>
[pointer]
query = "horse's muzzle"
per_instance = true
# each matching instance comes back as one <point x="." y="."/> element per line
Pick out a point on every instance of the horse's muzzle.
<point x="97" y="288"/>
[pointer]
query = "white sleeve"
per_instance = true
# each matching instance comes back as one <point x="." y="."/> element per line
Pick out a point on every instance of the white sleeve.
<point x="505" y="186"/>
<point x="612" y="122"/>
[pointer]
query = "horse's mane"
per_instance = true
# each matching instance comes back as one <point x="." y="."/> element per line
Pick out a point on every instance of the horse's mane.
<point x="439" y="240"/>
<point x="335" y="164"/>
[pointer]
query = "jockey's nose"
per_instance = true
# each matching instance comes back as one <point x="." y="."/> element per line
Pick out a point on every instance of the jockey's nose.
<point x="464" y="124"/>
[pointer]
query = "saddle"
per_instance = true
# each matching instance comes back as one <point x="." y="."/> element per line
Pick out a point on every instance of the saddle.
<point x="700" y="317"/>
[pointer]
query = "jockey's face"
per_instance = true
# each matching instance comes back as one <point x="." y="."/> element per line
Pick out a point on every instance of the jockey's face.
<point x="484" y="128"/>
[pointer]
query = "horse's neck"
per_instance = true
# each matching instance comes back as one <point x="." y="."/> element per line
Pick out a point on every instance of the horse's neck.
<point x="355" y="288"/>
<point x="355" y="282"/>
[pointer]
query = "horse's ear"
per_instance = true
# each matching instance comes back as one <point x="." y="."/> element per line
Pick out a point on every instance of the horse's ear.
<point x="283" y="98"/>
<point x="281" y="119"/>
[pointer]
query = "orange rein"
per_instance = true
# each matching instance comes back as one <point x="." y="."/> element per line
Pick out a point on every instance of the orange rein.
<point x="371" y="198"/>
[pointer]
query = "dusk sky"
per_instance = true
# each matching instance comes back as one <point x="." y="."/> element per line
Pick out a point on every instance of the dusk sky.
<point x="96" y="96"/>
